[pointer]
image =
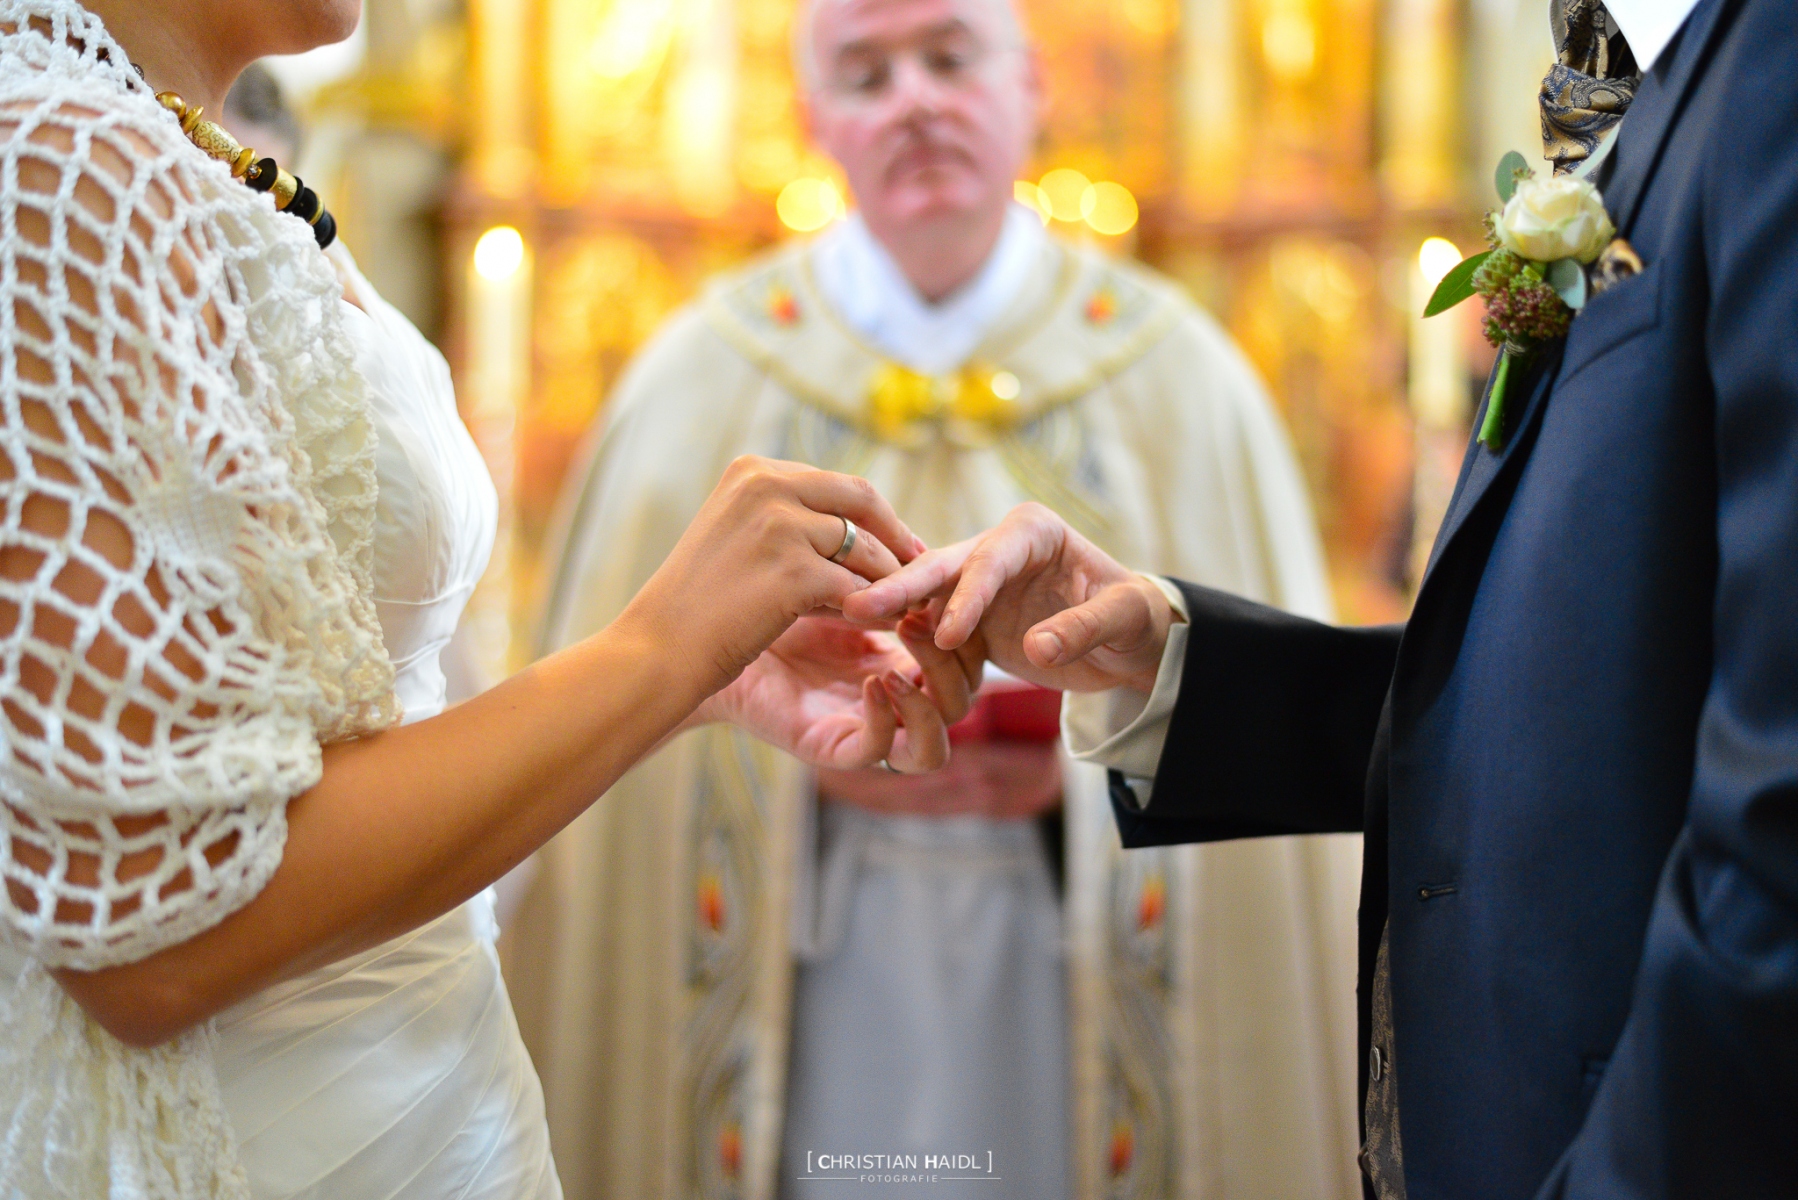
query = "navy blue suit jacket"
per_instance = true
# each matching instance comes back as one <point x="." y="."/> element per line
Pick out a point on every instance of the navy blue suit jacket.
<point x="1577" y="763"/>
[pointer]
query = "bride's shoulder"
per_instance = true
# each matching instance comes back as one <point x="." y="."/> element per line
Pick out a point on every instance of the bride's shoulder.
<point x="68" y="127"/>
<point x="80" y="133"/>
<point x="101" y="191"/>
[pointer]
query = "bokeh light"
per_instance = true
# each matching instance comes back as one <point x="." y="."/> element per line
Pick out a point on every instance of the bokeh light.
<point x="1061" y="190"/>
<point x="1108" y="207"/>
<point x="1436" y="258"/>
<point x="1289" y="43"/>
<point x="1152" y="18"/>
<point x="808" y="204"/>
<point x="634" y="36"/>
<point x="1031" y="197"/>
<point x="499" y="253"/>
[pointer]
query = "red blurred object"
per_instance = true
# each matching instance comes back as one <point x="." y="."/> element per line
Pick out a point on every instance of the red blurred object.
<point x="1014" y="714"/>
<point x="730" y="1150"/>
<point x="1123" y="1148"/>
<point x="1152" y="906"/>
<point x="711" y="903"/>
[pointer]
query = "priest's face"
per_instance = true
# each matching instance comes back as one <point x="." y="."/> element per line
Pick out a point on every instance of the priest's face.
<point x="929" y="105"/>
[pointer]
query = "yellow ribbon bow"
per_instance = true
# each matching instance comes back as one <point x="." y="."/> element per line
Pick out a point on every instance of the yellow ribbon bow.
<point x="973" y="408"/>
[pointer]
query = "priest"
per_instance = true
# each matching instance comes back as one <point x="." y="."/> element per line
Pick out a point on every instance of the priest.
<point x="747" y="979"/>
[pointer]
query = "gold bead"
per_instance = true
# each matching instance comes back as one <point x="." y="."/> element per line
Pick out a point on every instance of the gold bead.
<point x="172" y="102"/>
<point x="215" y="140"/>
<point x="285" y="189"/>
<point x="243" y="163"/>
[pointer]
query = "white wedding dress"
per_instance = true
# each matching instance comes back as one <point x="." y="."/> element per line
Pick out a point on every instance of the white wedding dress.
<point x="306" y="519"/>
<point x="399" y="1073"/>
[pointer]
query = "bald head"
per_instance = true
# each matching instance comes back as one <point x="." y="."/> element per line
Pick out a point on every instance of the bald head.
<point x="931" y="107"/>
<point x="999" y="16"/>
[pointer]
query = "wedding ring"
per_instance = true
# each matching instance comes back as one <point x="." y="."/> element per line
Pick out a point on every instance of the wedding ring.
<point x="887" y="766"/>
<point x="850" y="534"/>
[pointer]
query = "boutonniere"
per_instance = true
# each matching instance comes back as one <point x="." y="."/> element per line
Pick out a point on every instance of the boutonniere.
<point x="1536" y="276"/>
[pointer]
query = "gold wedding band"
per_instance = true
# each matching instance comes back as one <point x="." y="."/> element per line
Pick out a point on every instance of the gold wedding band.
<point x="850" y="533"/>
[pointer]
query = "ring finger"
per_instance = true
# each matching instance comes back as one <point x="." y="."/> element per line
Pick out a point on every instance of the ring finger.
<point x="867" y="556"/>
<point x="946" y="677"/>
<point x="923" y="744"/>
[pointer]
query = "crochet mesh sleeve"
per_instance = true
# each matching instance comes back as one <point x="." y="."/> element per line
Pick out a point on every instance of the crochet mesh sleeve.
<point x="186" y="475"/>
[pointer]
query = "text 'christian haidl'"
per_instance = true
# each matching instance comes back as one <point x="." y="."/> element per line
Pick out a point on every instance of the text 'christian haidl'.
<point x="819" y="1164"/>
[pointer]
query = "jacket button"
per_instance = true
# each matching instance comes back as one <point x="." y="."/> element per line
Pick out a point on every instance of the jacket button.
<point x="1376" y="1065"/>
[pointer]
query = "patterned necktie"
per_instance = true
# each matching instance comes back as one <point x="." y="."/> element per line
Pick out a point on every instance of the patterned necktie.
<point x="1589" y="89"/>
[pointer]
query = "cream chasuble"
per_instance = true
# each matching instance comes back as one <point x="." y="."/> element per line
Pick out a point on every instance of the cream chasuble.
<point x="1209" y="991"/>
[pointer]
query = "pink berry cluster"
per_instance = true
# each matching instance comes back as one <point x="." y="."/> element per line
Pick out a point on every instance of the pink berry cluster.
<point x="1521" y="309"/>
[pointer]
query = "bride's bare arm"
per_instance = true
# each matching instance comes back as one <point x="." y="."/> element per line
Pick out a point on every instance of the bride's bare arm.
<point x="175" y="636"/>
<point x="408" y="823"/>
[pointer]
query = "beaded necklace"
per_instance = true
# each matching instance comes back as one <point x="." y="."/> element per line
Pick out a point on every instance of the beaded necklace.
<point x="260" y="174"/>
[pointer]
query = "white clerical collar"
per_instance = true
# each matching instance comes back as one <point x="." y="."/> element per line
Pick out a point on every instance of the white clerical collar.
<point x="1648" y="25"/>
<point x="860" y="280"/>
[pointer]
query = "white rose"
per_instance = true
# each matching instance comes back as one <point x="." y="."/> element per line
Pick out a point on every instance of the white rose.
<point x="1550" y="219"/>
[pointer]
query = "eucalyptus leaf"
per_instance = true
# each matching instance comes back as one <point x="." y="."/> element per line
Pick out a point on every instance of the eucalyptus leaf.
<point x="1456" y="286"/>
<point x="1506" y="178"/>
<point x="1568" y="279"/>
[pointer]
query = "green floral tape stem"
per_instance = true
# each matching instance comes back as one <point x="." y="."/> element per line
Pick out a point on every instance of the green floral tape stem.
<point x="1492" y="429"/>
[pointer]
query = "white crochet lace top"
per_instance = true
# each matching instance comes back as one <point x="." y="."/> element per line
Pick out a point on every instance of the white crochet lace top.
<point x="187" y="500"/>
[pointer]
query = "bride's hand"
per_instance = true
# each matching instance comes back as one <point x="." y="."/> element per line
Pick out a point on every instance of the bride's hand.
<point x="838" y="696"/>
<point x="754" y="560"/>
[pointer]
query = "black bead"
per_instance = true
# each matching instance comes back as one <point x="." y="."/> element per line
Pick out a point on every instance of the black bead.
<point x="305" y="202"/>
<point x="325" y="229"/>
<point x="261" y="177"/>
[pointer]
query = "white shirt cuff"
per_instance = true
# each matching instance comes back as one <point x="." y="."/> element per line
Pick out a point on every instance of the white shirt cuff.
<point x="1122" y="729"/>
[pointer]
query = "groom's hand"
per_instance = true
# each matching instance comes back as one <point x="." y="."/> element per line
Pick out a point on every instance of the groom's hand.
<point x="1037" y="599"/>
<point x="843" y="698"/>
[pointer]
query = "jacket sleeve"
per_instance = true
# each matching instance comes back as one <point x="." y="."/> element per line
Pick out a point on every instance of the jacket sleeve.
<point x="1700" y="1096"/>
<point x="1273" y="729"/>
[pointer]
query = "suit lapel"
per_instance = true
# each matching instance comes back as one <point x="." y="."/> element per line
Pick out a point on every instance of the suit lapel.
<point x="1643" y="135"/>
<point x="1641" y="140"/>
<point x="1481" y="466"/>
